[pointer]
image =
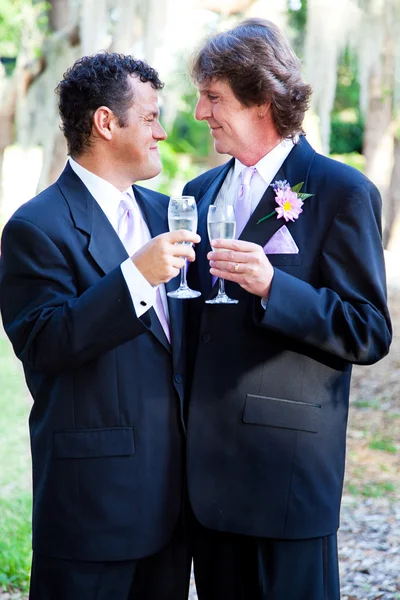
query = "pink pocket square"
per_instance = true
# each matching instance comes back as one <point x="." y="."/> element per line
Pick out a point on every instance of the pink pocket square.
<point x="281" y="243"/>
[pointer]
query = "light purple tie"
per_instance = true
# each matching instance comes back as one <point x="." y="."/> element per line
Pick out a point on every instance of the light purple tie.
<point x="133" y="233"/>
<point x="243" y="200"/>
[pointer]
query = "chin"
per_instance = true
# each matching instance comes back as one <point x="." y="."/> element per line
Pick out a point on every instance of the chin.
<point x="220" y="148"/>
<point x="151" y="172"/>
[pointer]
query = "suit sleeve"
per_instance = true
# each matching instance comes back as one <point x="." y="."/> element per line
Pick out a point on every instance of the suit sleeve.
<point x="51" y="326"/>
<point x="347" y="315"/>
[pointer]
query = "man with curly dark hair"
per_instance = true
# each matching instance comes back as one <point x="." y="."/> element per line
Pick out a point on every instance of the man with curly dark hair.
<point x="85" y="268"/>
<point x="270" y="375"/>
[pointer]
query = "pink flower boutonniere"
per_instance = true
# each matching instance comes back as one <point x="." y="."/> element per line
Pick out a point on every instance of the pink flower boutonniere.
<point x="289" y="200"/>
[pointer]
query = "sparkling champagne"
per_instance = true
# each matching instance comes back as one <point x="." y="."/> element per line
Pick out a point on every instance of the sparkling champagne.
<point x="221" y="230"/>
<point x="176" y="223"/>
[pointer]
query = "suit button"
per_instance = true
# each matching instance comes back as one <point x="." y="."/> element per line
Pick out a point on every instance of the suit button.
<point x="178" y="378"/>
<point x="206" y="338"/>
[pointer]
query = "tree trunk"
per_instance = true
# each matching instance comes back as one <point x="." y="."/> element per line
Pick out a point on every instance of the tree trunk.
<point x="7" y="115"/>
<point x="59" y="14"/>
<point x="379" y="133"/>
<point x="391" y="231"/>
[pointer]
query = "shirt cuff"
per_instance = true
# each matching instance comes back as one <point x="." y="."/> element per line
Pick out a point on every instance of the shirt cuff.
<point x="142" y="293"/>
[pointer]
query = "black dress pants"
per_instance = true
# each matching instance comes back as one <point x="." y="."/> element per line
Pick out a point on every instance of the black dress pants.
<point x="237" y="567"/>
<point x="162" y="576"/>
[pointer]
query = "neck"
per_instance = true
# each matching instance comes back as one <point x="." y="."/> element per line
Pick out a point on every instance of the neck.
<point x="266" y="138"/>
<point x="105" y="168"/>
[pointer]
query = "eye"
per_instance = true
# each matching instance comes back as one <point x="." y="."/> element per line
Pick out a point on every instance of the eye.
<point x="212" y="97"/>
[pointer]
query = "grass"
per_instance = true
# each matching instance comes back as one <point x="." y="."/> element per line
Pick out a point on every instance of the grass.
<point x="15" y="494"/>
<point x="366" y="403"/>
<point x="386" y="444"/>
<point x="375" y="489"/>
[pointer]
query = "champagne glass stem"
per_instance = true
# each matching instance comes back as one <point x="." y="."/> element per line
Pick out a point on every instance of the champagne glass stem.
<point x="221" y="286"/>
<point x="183" y="275"/>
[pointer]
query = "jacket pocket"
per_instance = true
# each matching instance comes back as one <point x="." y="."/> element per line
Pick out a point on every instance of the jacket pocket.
<point x="94" y="443"/>
<point x="278" y="412"/>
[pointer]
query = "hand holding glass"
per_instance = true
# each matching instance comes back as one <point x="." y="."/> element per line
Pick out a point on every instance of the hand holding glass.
<point x="221" y="224"/>
<point x="182" y="214"/>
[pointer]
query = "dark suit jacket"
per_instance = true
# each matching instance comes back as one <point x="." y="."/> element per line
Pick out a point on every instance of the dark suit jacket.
<point x="270" y="390"/>
<point x="106" y="424"/>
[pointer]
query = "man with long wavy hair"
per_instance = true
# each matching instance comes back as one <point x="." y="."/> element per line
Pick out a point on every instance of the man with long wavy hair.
<point x="270" y="375"/>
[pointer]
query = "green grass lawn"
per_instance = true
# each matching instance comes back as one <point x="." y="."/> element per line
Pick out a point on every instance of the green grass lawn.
<point x="15" y="485"/>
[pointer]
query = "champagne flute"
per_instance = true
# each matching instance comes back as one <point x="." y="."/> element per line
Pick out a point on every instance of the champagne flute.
<point x="182" y="214"/>
<point x="221" y="224"/>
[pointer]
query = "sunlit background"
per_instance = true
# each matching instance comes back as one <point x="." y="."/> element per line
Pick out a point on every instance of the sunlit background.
<point x="350" y="51"/>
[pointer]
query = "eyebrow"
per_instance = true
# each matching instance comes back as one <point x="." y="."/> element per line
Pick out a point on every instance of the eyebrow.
<point x="152" y="113"/>
<point x="208" y="90"/>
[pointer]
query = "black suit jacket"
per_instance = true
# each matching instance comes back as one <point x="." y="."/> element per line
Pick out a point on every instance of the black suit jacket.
<point x="106" y="424"/>
<point x="270" y="389"/>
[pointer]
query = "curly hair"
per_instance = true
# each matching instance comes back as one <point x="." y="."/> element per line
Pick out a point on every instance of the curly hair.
<point x="94" y="81"/>
<point x="257" y="61"/>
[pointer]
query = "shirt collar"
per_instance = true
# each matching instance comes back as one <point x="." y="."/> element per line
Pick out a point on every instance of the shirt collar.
<point x="105" y="194"/>
<point x="269" y="164"/>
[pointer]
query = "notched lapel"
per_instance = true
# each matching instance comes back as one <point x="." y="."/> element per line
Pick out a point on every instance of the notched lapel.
<point x="156" y="218"/>
<point x="260" y="233"/>
<point x="295" y="169"/>
<point x="104" y="245"/>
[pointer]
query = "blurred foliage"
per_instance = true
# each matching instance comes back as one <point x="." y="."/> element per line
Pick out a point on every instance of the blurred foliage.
<point x="347" y="125"/>
<point x="189" y="142"/>
<point x="297" y="22"/>
<point x="353" y="159"/>
<point x="187" y="135"/>
<point x="22" y="23"/>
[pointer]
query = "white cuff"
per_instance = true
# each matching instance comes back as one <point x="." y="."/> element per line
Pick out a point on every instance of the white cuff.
<point x="142" y="293"/>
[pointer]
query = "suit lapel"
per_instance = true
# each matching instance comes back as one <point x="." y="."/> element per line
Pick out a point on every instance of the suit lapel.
<point x="295" y="169"/>
<point x="156" y="217"/>
<point x="104" y="245"/>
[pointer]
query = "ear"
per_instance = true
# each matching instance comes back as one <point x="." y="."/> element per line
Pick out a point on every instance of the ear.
<point x="104" y="122"/>
<point x="263" y="109"/>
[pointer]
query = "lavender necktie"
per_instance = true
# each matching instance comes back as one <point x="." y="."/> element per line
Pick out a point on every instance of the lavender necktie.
<point x="243" y="200"/>
<point x="133" y="233"/>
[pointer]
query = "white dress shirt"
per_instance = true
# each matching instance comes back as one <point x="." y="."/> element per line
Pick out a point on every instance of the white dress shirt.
<point x="108" y="198"/>
<point x="267" y="168"/>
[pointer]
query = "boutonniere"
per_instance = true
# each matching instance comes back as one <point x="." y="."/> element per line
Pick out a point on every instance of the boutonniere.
<point x="289" y="201"/>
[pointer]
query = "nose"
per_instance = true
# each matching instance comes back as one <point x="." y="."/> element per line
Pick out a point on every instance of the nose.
<point x="202" y="110"/>
<point x="159" y="132"/>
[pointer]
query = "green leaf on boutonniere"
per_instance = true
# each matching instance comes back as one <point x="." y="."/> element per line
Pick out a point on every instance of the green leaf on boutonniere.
<point x="296" y="188"/>
<point x="288" y="208"/>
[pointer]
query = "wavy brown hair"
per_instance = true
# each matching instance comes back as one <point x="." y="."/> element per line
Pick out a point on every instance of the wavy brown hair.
<point x="257" y="61"/>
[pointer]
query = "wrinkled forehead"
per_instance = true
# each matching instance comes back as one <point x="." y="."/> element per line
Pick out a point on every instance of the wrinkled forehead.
<point x="214" y="84"/>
